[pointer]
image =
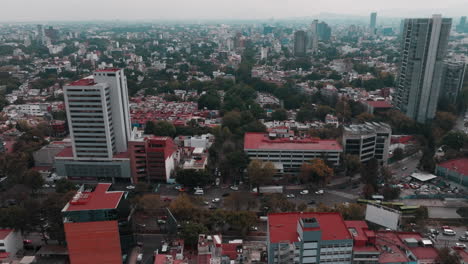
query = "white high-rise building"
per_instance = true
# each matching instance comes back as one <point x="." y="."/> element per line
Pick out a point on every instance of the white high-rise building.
<point x="313" y="37"/>
<point x="264" y="53"/>
<point x="424" y="47"/>
<point x="98" y="115"/>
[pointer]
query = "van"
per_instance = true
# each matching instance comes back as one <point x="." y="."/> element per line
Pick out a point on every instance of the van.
<point x="199" y="192"/>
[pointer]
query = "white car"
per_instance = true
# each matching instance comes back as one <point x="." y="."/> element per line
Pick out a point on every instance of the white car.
<point x="319" y="192"/>
<point x="290" y="195"/>
<point x="178" y="187"/>
<point x="253" y="228"/>
<point x="460" y="246"/>
<point x="234" y="188"/>
<point x="304" y="192"/>
<point x="449" y="232"/>
<point x="46" y="186"/>
<point x="216" y="200"/>
<point x="140" y="257"/>
<point x="130" y="187"/>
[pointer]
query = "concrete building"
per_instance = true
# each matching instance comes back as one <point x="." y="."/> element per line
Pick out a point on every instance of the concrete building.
<point x="153" y="159"/>
<point x="313" y="37"/>
<point x="367" y="141"/>
<point x="452" y="80"/>
<point x="11" y="242"/>
<point x="98" y="114"/>
<point x="99" y="123"/>
<point x="424" y="45"/>
<point x="288" y="154"/>
<point x="96" y="225"/>
<point x="308" y="238"/>
<point x="46" y="155"/>
<point x="300" y="43"/>
<point x="324" y="31"/>
<point x="373" y="23"/>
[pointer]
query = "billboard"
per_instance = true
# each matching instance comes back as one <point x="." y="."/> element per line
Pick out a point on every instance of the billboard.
<point x="383" y="216"/>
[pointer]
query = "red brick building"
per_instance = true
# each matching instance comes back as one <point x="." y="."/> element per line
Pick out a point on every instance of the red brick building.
<point x="153" y="159"/>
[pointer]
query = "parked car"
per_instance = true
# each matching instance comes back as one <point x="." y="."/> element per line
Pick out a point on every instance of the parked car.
<point x="161" y="221"/>
<point x="199" y="192"/>
<point x="449" y="232"/>
<point x="254" y="228"/>
<point x="130" y="187"/>
<point x="290" y="195"/>
<point x="304" y="192"/>
<point x="459" y="246"/>
<point x="234" y="188"/>
<point x="216" y="200"/>
<point x="319" y="192"/>
<point x="463" y="238"/>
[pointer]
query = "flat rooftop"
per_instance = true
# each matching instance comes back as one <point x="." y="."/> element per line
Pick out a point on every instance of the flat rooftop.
<point x="283" y="226"/>
<point x="261" y="141"/>
<point x="98" y="199"/>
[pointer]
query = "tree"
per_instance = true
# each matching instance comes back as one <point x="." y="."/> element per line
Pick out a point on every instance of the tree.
<point x="32" y="179"/>
<point x="64" y="186"/>
<point x="232" y="120"/>
<point x="365" y="117"/>
<point x="241" y="221"/>
<point x="182" y="207"/>
<point x="239" y="201"/>
<point x="391" y="193"/>
<point x="260" y="173"/>
<point x="370" y="173"/>
<point x="210" y="100"/>
<point x="445" y="256"/>
<point x="279" y="114"/>
<point x="427" y="162"/>
<point x="368" y="190"/>
<point x="160" y="128"/>
<point x="190" y="232"/>
<point x="445" y="120"/>
<point x="316" y="171"/>
<point x="455" y="140"/>
<point x="193" y="177"/>
<point x="352" y="164"/>
<point x="148" y="203"/>
<point x="398" y="154"/>
<point x="277" y="202"/>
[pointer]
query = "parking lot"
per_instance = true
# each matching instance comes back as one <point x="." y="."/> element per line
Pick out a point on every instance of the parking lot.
<point x="442" y="240"/>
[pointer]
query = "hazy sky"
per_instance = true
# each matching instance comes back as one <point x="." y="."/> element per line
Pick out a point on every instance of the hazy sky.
<point x="49" y="10"/>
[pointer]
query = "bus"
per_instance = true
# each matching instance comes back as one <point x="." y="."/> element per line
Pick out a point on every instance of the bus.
<point x="409" y="209"/>
<point x="364" y="201"/>
<point x="397" y="204"/>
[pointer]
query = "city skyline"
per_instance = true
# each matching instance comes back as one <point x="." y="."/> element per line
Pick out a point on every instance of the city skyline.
<point x="52" y="10"/>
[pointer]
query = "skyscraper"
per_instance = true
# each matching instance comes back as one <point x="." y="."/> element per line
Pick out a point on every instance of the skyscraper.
<point x="462" y="27"/>
<point x="98" y="114"/>
<point x="373" y="22"/>
<point x="300" y="43"/>
<point x="312" y="39"/>
<point x="453" y="74"/>
<point x="424" y="45"/>
<point x="324" y="31"/>
<point x="99" y="123"/>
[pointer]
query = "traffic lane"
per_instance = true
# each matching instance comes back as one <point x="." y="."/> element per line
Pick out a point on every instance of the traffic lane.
<point x="442" y="240"/>
<point x="151" y="243"/>
<point x="327" y="199"/>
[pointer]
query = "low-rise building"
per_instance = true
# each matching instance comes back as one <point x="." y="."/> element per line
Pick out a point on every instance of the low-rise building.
<point x="374" y="107"/>
<point x="46" y="155"/>
<point x="288" y="154"/>
<point x="11" y="242"/>
<point x="308" y="238"/>
<point x="455" y="170"/>
<point x="368" y="140"/>
<point x="96" y="225"/>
